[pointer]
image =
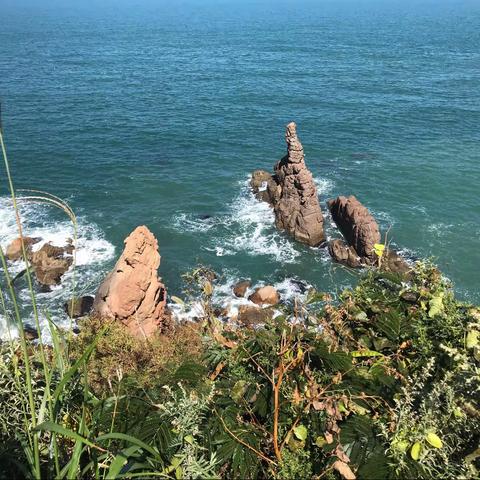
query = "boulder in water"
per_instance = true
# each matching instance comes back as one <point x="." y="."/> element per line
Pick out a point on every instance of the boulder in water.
<point x="240" y="289"/>
<point x="357" y="226"/>
<point x="132" y="293"/>
<point x="344" y="254"/>
<point x="265" y="296"/>
<point x="250" y="316"/>
<point x="50" y="263"/>
<point x="14" y="250"/>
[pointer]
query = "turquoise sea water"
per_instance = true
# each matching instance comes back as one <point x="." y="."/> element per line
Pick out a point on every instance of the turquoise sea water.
<point x="151" y="114"/>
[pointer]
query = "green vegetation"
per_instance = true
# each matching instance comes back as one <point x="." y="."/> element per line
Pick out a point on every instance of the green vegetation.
<point x="381" y="383"/>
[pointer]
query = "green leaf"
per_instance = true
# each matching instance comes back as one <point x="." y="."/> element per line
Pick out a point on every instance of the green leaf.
<point x="436" y="305"/>
<point x="366" y="353"/>
<point x="434" y="440"/>
<point x="301" y="432"/>
<point x="415" y="451"/>
<point x="55" y="427"/>
<point x="472" y="339"/>
<point x="130" y="439"/>
<point x="379" y="248"/>
<point x="120" y="460"/>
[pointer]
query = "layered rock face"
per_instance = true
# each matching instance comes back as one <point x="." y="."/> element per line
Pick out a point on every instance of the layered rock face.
<point x="132" y="293"/>
<point x="292" y="193"/>
<point x="298" y="209"/>
<point x="357" y="226"/>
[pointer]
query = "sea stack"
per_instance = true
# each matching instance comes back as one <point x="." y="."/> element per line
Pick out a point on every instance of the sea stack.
<point x="292" y="193"/>
<point x="298" y="209"/>
<point x="132" y="293"/>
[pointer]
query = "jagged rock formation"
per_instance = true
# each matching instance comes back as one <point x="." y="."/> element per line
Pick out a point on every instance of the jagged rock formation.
<point x="265" y="187"/>
<point x="357" y="226"/>
<point x="51" y="262"/>
<point x="292" y="193"/>
<point x="132" y="293"/>
<point x="362" y="233"/>
<point x="298" y="209"/>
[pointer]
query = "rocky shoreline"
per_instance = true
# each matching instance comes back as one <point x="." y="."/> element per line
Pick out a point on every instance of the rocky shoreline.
<point x="134" y="295"/>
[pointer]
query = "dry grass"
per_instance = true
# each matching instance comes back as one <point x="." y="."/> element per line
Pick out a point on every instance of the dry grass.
<point x="146" y="362"/>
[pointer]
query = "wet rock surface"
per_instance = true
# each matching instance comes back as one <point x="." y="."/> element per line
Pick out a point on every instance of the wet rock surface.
<point x="267" y="295"/>
<point x="240" y="288"/>
<point x="14" y="249"/>
<point x="342" y="253"/>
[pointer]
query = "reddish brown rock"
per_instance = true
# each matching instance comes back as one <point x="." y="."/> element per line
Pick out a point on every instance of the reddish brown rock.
<point x="297" y="210"/>
<point x="393" y="262"/>
<point x="132" y="293"/>
<point x="264" y="186"/>
<point x="251" y="316"/>
<point x="50" y="263"/>
<point x="241" y="288"/>
<point x="14" y="250"/>
<point x="265" y="295"/>
<point x="357" y="226"/>
<point x="344" y="254"/>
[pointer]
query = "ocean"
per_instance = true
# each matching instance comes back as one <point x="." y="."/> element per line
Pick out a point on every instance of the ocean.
<point x="147" y="113"/>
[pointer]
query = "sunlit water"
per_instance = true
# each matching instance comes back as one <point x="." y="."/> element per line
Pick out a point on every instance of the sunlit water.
<point x="154" y="115"/>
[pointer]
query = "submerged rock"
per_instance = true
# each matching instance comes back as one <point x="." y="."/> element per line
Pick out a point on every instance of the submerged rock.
<point x="79" y="306"/>
<point x="132" y="293"/>
<point x="14" y="250"/>
<point x="298" y="210"/>
<point x="240" y="289"/>
<point x="357" y="226"/>
<point x="265" y="296"/>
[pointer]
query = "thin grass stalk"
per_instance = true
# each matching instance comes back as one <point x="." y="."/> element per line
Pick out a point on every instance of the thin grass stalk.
<point x="28" y="375"/>
<point x="35" y="315"/>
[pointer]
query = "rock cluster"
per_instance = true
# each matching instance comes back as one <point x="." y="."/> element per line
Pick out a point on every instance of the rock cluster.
<point x="292" y="193"/>
<point x="362" y="233"/>
<point x="49" y="263"/>
<point x="132" y="293"/>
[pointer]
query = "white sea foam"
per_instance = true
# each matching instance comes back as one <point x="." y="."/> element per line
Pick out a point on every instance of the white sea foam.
<point x="93" y="252"/>
<point x="185" y="222"/>
<point x="223" y="297"/>
<point x="325" y="186"/>
<point x="250" y="228"/>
